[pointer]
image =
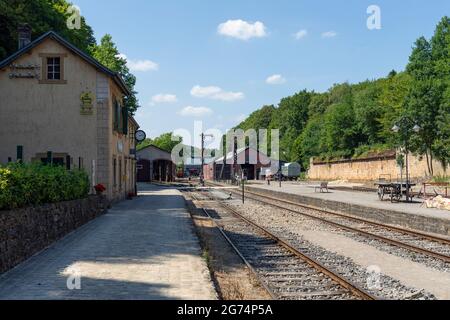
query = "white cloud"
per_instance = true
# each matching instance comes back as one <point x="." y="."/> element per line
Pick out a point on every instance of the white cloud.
<point x="164" y="98"/>
<point x="191" y="111"/>
<point x="139" y="65"/>
<point x="242" y="30"/>
<point x="142" y="65"/>
<point x="329" y="34"/>
<point x="204" y="92"/>
<point x="276" y="79"/>
<point x="301" y="34"/>
<point x="216" y="93"/>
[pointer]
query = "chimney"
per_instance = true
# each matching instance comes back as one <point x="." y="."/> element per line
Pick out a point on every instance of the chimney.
<point x="24" y="35"/>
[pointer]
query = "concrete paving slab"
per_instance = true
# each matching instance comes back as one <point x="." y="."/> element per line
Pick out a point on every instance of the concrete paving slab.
<point x="144" y="249"/>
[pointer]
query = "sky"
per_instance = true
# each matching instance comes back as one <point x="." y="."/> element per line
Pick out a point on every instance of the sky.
<point x="219" y="61"/>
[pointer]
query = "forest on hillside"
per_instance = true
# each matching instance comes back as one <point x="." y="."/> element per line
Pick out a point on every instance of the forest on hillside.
<point x="52" y="15"/>
<point x="356" y="120"/>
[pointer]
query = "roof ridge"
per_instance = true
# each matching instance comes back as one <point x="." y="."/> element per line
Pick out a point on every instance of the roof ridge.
<point x="52" y="34"/>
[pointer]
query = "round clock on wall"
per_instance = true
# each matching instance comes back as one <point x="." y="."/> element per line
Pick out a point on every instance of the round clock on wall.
<point x="140" y="136"/>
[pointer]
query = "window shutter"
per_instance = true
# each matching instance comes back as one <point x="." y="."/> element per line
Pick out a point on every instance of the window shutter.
<point x="114" y="111"/>
<point x="20" y="153"/>
<point x="125" y="120"/>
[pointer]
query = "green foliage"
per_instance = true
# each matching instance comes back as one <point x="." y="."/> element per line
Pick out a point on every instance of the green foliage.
<point x="42" y="16"/>
<point x="259" y="119"/>
<point x="108" y="54"/>
<point x="24" y="185"/>
<point x="356" y="120"/>
<point x="164" y="142"/>
<point x="441" y="179"/>
<point x="427" y="101"/>
<point x="51" y="15"/>
<point x="365" y="151"/>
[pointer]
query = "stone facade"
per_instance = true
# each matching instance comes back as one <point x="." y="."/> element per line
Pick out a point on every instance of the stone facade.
<point x="26" y="231"/>
<point x="370" y="169"/>
<point x="72" y="118"/>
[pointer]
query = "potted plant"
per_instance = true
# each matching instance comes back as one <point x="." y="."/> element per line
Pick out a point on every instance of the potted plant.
<point x="99" y="189"/>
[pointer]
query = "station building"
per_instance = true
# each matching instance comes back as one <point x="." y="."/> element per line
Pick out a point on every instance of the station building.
<point x="59" y="105"/>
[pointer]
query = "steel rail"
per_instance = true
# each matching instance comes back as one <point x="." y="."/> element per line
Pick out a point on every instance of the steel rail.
<point x="312" y="262"/>
<point x="373" y="223"/>
<point x="351" y="287"/>
<point x="249" y="266"/>
<point x="403" y="245"/>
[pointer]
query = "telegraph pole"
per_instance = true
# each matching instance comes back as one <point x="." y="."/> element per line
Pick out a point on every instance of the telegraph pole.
<point x="235" y="158"/>
<point x="202" y="174"/>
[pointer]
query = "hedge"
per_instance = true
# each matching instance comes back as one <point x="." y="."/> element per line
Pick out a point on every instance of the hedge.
<point x="23" y="185"/>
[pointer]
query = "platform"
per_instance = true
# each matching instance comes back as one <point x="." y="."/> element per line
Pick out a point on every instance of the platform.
<point x="145" y="249"/>
<point x="363" y="204"/>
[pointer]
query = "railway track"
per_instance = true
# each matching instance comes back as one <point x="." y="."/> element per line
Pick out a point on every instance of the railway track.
<point x="284" y="271"/>
<point x="428" y="245"/>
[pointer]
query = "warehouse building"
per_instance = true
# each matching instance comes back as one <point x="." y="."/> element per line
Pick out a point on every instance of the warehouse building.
<point x="155" y="164"/>
<point x="59" y="105"/>
<point x="249" y="161"/>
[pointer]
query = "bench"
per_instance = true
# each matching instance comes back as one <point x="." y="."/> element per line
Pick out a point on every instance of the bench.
<point x="323" y="186"/>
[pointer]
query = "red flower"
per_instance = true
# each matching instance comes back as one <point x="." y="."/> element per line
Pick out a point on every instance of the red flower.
<point x="100" y="188"/>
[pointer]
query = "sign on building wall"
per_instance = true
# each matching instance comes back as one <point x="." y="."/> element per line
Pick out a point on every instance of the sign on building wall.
<point x="24" y="71"/>
<point x="87" y="103"/>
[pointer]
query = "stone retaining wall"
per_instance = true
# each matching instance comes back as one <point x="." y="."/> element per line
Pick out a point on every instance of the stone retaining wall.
<point x="403" y="219"/>
<point x="24" y="232"/>
<point x="370" y="169"/>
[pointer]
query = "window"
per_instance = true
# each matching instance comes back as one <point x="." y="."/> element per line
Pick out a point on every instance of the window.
<point x="54" y="68"/>
<point x="54" y="159"/>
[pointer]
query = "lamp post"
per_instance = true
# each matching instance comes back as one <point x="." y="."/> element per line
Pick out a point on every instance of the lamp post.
<point x="404" y="127"/>
<point x="202" y="174"/>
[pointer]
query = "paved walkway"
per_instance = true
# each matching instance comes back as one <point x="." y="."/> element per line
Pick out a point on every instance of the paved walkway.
<point x="366" y="199"/>
<point x="143" y="249"/>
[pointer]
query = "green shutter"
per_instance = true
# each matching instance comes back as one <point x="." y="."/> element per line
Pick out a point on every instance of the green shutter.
<point x="49" y="158"/>
<point x="114" y="111"/>
<point x="20" y="153"/>
<point x="125" y="120"/>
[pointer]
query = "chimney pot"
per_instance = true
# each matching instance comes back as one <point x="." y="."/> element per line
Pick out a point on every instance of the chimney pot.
<point x="24" y="31"/>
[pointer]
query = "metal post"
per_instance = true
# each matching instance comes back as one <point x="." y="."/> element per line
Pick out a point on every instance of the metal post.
<point x="407" y="172"/>
<point x="202" y="174"/>
<point x="243" y="188"/>
<point x="280" y="173"/>
<point x="202" y="171"/>
<point x="235" y="160"/>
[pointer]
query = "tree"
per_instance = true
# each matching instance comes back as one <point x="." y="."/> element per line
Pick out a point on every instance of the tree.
<point x="440" y="49"/>
<point x="108" y="54"/>
<point x="42" y="16"/>
<point x="259" y="119"/>
<point x="357" y="119"/>
<point x="420" y="65"/>
<point x="339" y="134"/>
<point x="307" y="145"/>
<point x="426" y="100"/>
<point x="164" y="142"/>
<point x="368" y="113"/>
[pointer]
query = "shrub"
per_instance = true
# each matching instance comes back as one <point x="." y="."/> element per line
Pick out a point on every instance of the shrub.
<point x="441" y="179"/>
<point x="24" y="185"/>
